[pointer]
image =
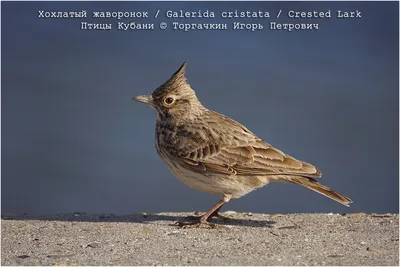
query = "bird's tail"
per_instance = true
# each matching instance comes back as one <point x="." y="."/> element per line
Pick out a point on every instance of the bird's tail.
<point x="312" y="184"/>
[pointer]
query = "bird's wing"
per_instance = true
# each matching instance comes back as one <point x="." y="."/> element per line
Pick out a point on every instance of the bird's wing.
<point x="230" y="148"/>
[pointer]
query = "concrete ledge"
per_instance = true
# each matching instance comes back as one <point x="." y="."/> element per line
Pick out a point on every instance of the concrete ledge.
<point x="246" y="239"/>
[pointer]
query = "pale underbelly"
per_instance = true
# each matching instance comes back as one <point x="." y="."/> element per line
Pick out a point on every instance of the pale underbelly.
<point x="236" y="186"/>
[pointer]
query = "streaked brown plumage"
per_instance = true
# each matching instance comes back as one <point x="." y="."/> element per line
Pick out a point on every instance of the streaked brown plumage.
<point x="215" y="154"/>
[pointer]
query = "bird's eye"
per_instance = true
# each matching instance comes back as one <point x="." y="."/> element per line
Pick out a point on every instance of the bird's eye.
<point x="169" y="100"/>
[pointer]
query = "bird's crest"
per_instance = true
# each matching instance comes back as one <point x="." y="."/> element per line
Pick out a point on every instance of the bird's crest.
<point x="176" y="84"/>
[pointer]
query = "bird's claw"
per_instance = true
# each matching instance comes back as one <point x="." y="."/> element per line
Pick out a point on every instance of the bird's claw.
<point x="194" y="217"/>
<point x="195" y="224"/>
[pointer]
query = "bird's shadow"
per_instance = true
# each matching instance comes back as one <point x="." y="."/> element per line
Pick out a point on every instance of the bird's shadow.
<point x="139" y="218"/>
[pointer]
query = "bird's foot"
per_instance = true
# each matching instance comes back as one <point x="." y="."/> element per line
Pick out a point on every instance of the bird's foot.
<point x="195" y="224"/>
<point x="194" y="217"/>
<point x="204" y="219"/>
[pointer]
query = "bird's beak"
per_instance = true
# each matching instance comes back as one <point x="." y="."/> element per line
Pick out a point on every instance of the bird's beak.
<point x="147" y="99"/>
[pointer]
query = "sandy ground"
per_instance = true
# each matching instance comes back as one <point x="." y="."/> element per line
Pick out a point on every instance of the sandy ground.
<point x="245" y="239"/>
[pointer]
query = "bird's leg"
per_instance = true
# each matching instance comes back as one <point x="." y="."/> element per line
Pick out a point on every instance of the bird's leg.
<point x="214" y="214"/>
<point x="203" y="219"/>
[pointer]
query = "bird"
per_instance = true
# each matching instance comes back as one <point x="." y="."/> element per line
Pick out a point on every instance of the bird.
<point x="213" y="153"/>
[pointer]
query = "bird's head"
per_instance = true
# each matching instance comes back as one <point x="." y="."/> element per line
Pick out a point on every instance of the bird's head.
<point x="174" y="98"/>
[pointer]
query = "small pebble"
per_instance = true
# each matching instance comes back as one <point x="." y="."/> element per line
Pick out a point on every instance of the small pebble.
<point x="94" y="244"/>
<point x="23" y="257"/>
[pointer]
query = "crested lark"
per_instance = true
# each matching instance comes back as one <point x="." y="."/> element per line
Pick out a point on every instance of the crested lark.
<point x="215" y="154"/>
